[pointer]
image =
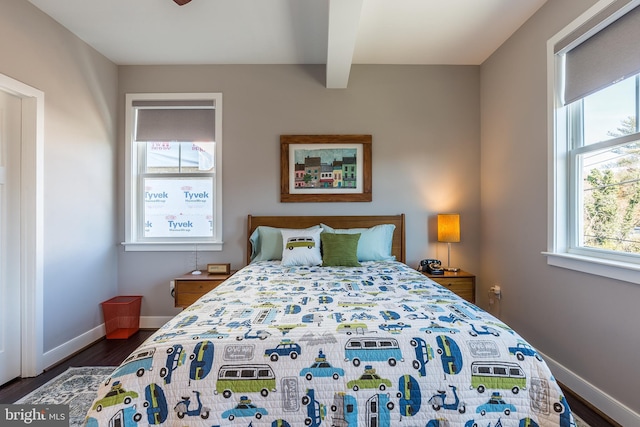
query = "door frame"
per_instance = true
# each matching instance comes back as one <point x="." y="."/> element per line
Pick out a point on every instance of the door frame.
<point x="32" y="225"/>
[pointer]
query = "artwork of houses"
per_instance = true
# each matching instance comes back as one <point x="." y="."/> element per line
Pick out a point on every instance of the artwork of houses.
<point x="326" y="171"/>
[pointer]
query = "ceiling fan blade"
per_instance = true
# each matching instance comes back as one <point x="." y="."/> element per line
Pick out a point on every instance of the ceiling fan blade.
<point x="181" y="2"/>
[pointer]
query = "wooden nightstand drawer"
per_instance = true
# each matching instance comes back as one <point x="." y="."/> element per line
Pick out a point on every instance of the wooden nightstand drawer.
<point x="189" y="288"/>
<point x="462" y="287"/>
<point x="454" y="283"/>
<point x="461" y="283"/>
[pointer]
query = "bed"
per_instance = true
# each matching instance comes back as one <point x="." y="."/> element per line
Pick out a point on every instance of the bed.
<point x="362" y="340"/>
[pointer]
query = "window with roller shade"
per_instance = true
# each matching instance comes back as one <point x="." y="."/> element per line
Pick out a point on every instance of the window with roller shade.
<point x="174" y="172"/>
<point x="595" y="191"/>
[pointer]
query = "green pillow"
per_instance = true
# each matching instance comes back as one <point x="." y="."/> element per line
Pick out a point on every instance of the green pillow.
<point x="375" y="242"/>
<point x="340" y="249"/>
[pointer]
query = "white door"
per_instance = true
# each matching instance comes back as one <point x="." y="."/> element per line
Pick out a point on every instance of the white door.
<point x="10" y="143"/>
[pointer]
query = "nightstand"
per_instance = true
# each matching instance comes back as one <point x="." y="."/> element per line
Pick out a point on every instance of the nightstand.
<point x="461" y="282"/>
<point x="190" y="287"/>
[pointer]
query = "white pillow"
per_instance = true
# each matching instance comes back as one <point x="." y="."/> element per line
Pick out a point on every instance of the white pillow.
<point x="266" y="243"/>
<point x="375" y="243"/>
<point x="301" y="247"/>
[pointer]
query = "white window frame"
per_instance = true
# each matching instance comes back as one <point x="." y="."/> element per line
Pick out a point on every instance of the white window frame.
<point x="133" y="240"/>
<point x="560" y="194"/>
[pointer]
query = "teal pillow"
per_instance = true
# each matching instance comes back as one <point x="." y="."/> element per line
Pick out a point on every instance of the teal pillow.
<point x="266" y="243"/>
<point x="374" y="244"/>
<point x="340" y="249"/>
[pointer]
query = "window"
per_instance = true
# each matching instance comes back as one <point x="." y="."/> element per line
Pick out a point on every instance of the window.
<point x="595" y="140"/>
<point x="174" y="180"/>
<point x="605" y="153"/>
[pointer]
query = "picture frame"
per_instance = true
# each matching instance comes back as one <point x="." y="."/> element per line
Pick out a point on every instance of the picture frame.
<point x="325" y="168"/>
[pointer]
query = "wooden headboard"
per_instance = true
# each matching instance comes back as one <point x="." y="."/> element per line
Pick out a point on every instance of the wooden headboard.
<point x="366" y="221"/>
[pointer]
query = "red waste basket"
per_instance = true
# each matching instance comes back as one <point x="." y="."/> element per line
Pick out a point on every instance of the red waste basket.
<point x="121" y="316"/>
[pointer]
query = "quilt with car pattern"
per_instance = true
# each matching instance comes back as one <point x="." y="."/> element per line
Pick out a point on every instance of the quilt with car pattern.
<point x="375" y="345"/>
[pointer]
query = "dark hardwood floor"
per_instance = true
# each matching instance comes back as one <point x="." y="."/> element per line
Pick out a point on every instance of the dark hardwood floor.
<point x="101" y="353"/>
<point x="586" y="411"/>
<point x="113" y="352"/>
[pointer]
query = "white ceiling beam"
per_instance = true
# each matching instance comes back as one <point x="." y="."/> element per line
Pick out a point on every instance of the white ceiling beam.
<point x="344" y="18"/>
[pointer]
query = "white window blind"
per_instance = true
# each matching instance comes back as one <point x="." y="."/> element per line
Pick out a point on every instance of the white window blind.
<point x="603" y="51"/>
<point x="168" y="121"/>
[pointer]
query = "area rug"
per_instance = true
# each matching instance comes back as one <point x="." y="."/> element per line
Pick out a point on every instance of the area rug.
<point x="76" y="387"/>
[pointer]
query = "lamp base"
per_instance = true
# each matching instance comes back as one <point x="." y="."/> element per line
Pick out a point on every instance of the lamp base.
<point x="448" y="267"/>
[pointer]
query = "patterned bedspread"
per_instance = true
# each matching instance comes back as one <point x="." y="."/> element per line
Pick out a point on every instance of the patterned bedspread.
<point x="377" y="345"/>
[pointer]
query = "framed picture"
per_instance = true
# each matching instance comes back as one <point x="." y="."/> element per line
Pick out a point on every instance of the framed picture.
<point x="325" y="168"/>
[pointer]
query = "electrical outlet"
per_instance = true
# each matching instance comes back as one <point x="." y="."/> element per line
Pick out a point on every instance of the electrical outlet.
<point x="495" y="290"/>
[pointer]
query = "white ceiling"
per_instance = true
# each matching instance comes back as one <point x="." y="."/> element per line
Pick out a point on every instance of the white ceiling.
<point x="338" y="33"/>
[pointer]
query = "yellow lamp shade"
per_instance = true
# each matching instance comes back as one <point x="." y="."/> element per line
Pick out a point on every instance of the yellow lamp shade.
<point x="448" y="228"/>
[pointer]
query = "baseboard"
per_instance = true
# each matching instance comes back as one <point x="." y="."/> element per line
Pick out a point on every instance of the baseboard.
<point x="602" y="401"/>
<point x="61" y="352"/>
<point x="69" y="348"/>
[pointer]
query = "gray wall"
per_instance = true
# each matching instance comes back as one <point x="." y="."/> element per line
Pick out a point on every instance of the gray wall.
<point x="424" y="121"/>
<point x="80" y="87"/>
<point x="586" y="323"/>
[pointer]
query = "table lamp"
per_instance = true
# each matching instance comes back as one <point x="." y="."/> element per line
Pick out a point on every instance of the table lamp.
<point x="449" y="232"/>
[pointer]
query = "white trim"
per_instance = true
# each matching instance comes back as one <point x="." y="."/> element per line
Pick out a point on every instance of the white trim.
<point x="597" y="266"/>
<point x="84" y="340"/>
<point x="74" y="345"/>
<point x="608" y="405"/>
<point x="32" y="228"/>
<point x="171" y="247"/>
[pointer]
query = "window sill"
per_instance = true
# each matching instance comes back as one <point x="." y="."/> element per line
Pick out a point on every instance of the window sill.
<point x="626" y="272"/>
<point x="171" y="246"/>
